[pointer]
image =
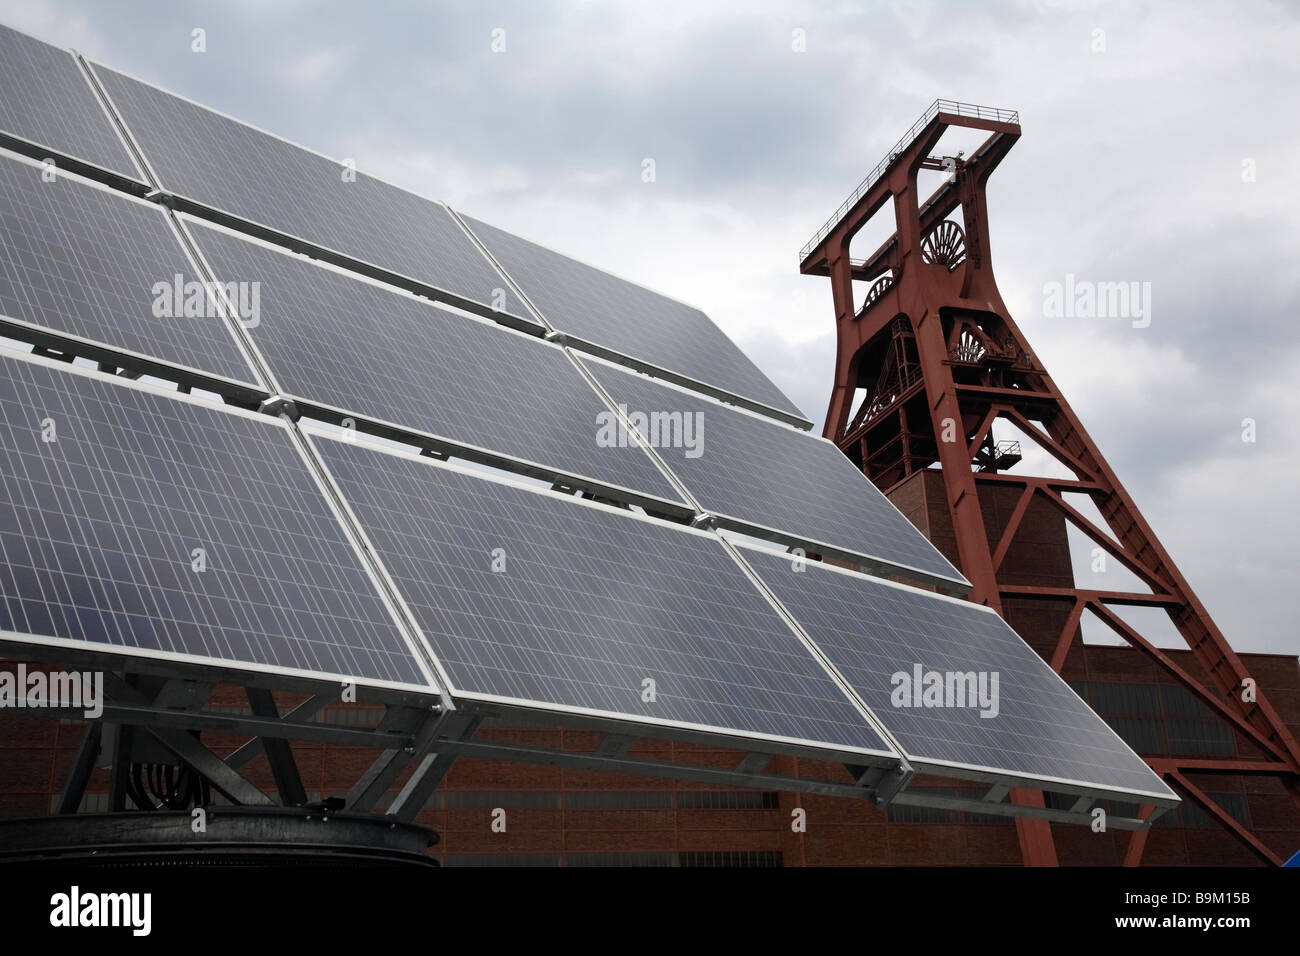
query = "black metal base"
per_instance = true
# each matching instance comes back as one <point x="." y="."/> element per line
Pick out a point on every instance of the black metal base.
<point x="234" y="836"/>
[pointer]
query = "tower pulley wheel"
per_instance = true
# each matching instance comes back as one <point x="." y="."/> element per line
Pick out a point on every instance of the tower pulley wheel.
<point x="880" y="287"/>
<point x="945" y="245"/>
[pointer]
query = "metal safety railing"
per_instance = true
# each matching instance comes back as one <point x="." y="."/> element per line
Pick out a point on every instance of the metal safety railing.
<point x="935" y="108"/>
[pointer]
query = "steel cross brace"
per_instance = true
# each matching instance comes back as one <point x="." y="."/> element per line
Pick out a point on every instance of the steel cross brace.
<point x="169" y="709"/>
<point x="433" y="766"/>
<point x="422" y="727"/>
<point x="278" y="752"/>
<point x="305" y="711"/>
<point x="225" y="779"/>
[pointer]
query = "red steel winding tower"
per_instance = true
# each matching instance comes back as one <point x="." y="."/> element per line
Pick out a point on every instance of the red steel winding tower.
<point x="933" y="359"/>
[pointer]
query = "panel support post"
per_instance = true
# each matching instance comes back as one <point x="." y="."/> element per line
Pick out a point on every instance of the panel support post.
<point x="279" y="754"/>
<point x="82" y="767"/>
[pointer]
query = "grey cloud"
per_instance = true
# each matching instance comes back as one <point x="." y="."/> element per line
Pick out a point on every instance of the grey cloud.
<point x="1128" y="168"/>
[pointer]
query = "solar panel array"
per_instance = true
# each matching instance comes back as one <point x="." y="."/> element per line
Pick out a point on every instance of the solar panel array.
<point x="85" y="261"/>
<point x="774" y="478"/>
<point x="169" y="527"/>
<point x="373" y="352"/>
<point x="591" y="305"/>
<point x="529" y="596"/>
<point x="232" y="167"/>
<point x="48" y="102"/>
<point x="144" y="523"/>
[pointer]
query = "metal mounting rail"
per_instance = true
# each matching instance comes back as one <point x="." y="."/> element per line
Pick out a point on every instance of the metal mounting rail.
<point x="935" y="108"/>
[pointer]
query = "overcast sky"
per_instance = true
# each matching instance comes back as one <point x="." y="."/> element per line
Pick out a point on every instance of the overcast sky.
<point x="1130" y="168"/>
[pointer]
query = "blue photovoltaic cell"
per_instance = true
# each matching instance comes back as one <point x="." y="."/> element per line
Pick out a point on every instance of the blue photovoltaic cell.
<point x="589" y="603"/>
<point x="106" y="490"/>
<point x="48" y="101"/>
<point x="871" y="630"/>
<point x="602" y="309"/>
<point x="336" y="340"/>
<point x="86" y="261"/>
<point x="773" y="476"/>
<point x="234" y="168"/>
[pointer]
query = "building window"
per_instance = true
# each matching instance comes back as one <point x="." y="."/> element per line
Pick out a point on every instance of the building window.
<point x="731" y="858"/>
<point x="1193" y="728"/>
<point x="977" y="793"/>
<point x="502" y="859"/>
<point x="368" y="717"/>
<point x="507" y="799"/>
<point x="611" y="800"/>
<point x="903" y="813"/>
<point x="618" y="800"/>
<point x="1190" y="814"/>
<point x="1160" y="718"/>
<point x="727" y="800"/>
<point x="620" y="859"/>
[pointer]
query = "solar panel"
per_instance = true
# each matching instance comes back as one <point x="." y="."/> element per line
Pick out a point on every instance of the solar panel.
<point x="773" y="480"/>
<point x="589" y="603"/>
<point x="239" y="170"/>
<point x="85" y="261"/>
<point x="333" y="339"/>
<point x="164" y="526"/>
<point x="887" y="640"/>
<point x="595" y="307"/>
<point x="48" y="101"/>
